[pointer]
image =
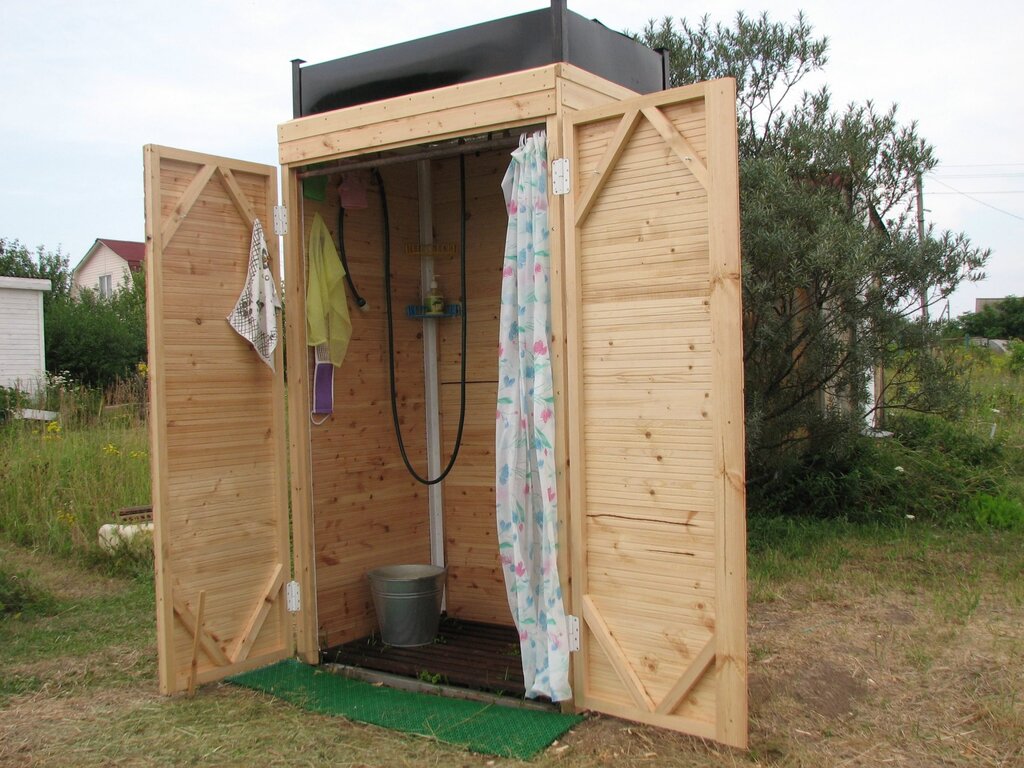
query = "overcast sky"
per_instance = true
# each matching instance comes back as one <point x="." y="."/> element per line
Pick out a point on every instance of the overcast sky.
<point x="84" y="85"/>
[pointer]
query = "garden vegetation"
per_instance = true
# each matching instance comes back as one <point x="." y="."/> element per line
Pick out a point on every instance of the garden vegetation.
<point x="912" y="540"/>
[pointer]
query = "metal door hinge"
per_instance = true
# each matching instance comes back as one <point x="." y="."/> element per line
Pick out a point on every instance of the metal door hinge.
<point x="291" y="596"/>
<point x="280" y="220"/>
<point x="560" y="176"/>
<point x="572" y="626"/>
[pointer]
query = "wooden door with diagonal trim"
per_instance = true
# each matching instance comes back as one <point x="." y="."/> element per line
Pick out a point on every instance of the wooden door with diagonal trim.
<point x="217" y="430"/>
<point x="656" y="423"/>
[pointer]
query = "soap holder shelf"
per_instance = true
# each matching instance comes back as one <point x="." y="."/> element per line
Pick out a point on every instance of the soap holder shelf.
<point x="419" y="311"/>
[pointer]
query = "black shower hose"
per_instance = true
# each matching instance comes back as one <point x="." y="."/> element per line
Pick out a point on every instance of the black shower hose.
<point x="360" y="301"/>
<point x="391" y="331"/>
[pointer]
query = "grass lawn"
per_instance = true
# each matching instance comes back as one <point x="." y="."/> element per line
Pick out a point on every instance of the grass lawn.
<point x="898" y="644"/>
<point x="867" y="647"/>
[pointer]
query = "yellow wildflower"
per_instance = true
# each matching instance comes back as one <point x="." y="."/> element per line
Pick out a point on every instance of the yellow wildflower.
<point x="111" y="450"/>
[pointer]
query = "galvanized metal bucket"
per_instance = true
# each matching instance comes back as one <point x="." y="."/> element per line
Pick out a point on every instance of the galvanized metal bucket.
<point x="407" y="599"/>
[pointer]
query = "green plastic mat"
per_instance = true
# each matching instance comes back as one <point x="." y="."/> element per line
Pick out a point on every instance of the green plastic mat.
<point x="480" y="727"/>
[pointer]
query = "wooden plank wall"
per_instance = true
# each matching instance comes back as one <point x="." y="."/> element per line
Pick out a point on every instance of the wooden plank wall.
<point x="576" y="89"/>
<point x="217" y="431"/>
<point x="646" y="364"/>
<point x="367" y="510"/>
<point x="494" y="103"/>
<point x="579" y="89"/>
<point x="476" y="587"/>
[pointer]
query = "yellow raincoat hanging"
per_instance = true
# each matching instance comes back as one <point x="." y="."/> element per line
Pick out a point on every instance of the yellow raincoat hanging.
<point x="327" y="319"/>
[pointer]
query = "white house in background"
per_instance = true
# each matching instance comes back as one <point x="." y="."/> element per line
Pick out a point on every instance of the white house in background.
<point x="107" y="266"/>
<point x="22" y="354"/>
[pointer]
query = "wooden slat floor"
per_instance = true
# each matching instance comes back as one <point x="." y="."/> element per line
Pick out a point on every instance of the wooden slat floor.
<point x="467" y="654"/>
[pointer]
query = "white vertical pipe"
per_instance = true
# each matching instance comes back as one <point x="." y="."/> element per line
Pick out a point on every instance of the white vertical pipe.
<point x="432" y="399"/>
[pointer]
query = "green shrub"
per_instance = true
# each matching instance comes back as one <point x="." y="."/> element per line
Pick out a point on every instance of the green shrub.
<point x="936" y="468"/>
<point x="11" y="398"/>
<point x="932" y="433"/>
<point x="20" y="594"/>
<point x="998" y="512"/>
<point x="822" y="485"/>
<point x="1016" y="361"/>
<point x="96" y="341"/>
<point x="930" y="469"/>
<point x="1003" y="320"/>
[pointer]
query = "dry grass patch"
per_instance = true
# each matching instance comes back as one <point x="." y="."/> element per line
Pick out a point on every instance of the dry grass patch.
<point x="100" y="633"/>
<point x="66" y="583"/>
<point x="917" y="661"/>
<point x="221" y="726"/>
<point x="907" y="652"/>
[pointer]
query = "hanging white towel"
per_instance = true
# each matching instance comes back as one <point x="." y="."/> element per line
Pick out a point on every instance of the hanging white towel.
<point x="255" y="313"/>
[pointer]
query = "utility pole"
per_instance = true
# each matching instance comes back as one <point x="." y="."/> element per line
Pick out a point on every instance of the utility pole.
<point x="920" y="240"/>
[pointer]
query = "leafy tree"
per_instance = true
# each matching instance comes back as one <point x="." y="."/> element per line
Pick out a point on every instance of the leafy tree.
<point x="832" y="264"/>
<point x="1004" y="320"/>
<point x="17" y="261"/>
<point x="98" y="340"/>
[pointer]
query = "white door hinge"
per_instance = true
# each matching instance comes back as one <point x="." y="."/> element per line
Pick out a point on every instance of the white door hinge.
<point x="560" y="176"/>
<point x="572" y="627"/>
<point x="291" y="596"/>
<point x="280" y="220"/>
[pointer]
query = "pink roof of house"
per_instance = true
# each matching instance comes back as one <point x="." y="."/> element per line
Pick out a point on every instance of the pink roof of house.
<point x="129" y="250"/>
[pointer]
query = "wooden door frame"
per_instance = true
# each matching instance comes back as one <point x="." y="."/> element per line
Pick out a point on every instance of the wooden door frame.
<point x="299" y="436"/>
<point x="171" y="605"/>
<point x="727" y="650"/>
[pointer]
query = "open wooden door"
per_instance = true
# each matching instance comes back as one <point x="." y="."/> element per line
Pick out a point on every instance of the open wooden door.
<point x="656" y="419"/>
<point x="217" y="424"/>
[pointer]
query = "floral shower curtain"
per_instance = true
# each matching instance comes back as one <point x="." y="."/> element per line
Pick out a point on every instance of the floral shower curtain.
<point x="525" y="435"/>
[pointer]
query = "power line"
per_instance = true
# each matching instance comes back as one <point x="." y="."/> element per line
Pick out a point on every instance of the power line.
<point x="980" y="202"/>
<point x="978" y="165"/>
<point x="1013" y="175"/>
<point x="983" y="192"/>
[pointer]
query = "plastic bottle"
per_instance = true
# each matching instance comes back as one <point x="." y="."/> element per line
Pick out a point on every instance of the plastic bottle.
<point x="434" y="300"/>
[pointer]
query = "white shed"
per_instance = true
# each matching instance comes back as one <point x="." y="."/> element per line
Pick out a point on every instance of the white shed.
<point x="22" y="355"/>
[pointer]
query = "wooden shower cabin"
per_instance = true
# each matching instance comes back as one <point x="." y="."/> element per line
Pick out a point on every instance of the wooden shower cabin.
<point x="262" y="547"/>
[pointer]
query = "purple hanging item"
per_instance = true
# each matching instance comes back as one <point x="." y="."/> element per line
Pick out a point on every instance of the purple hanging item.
<point x="323" y="389"/>
<point x="323" y="384"/>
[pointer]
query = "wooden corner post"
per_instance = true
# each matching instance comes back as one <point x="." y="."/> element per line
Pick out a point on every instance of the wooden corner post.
<point x="728" y="429"/>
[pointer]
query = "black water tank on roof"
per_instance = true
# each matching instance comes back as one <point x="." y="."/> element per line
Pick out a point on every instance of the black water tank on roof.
<point x="512" y="44"/>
